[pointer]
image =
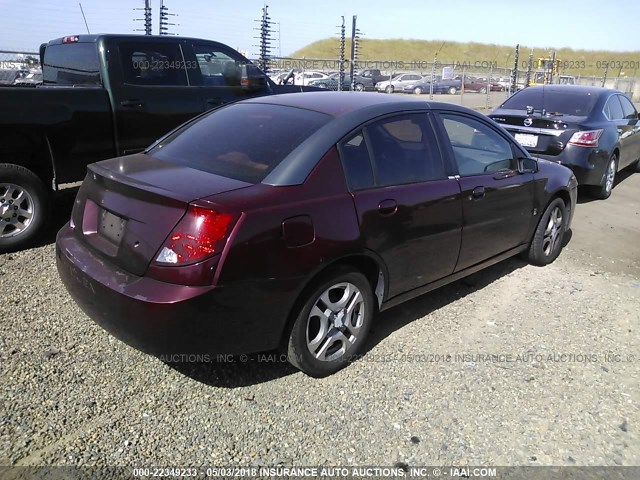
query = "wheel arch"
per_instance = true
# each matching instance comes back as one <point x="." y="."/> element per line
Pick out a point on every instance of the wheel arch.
<point x="366" y="262"/>
<point x="30" y="150"/>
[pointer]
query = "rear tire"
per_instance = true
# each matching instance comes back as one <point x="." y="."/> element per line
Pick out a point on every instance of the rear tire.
<point x="358" y="87"/>
<point x="547" y="239"/>
<point x="23" y="207"/>
<point x="332" y="324"/>
<point x="603" y="191"/>
<point x="417" y="91"/>
<point x="452" y="91"/>
<point x="483" y="90"/>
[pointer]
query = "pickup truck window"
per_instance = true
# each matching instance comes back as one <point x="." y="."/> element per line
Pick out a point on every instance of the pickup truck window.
<point x="148" y="63"/>
<point x="216" y="67"/>
<point x="71" y="64"/>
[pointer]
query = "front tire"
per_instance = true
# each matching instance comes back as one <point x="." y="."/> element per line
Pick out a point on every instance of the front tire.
<point x="603" y="191"/>
<point x="358" y="87"/>
<point x="483" y="90"/>
<point x="23" y="207"/>
<point x="389" y="89"/>
<point x="547" y="239"/>
<point x="452" y="91"/>
<point x="417" y="91"/>
<point x="333" y="322"/>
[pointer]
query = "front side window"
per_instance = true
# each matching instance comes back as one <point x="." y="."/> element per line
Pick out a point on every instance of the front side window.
<point x="477" y="148"/>
<point x="153" y="64"/>
<point x="218" y="68"/>
<point x="404" y="150"/>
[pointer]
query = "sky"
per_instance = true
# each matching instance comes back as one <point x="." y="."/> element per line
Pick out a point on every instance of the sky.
<point x="586" y="24"/>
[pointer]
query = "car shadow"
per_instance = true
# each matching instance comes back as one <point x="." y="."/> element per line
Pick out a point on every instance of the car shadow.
<point x="60" y="213"/>
<point x="246" y="370"/>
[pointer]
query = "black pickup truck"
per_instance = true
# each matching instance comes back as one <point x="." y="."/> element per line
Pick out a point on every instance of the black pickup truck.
<point x="104" y="96"/>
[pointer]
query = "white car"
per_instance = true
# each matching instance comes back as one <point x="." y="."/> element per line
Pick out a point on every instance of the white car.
<point x="303" y="78"/>
<point x="398" y="82"/>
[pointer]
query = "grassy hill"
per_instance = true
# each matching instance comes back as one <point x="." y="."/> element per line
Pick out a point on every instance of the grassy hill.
<point x="574" y="62"/>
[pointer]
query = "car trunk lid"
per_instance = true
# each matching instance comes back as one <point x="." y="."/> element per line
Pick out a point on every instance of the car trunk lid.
<point x="128" y="206"/>
<point x="547" y="135"/>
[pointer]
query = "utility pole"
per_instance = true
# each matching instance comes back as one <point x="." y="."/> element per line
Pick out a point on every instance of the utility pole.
<point x="343" y="30"/>
<point x="264" y="58"/>
<point x="514" y="72"/>
<point x="164" y="19"/>
<point x="146" y="19"/>
<point x="355" y="47"/>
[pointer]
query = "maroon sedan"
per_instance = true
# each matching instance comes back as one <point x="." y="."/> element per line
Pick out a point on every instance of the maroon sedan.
<point x="481" y="84"/>
<point x="289" y="221"/>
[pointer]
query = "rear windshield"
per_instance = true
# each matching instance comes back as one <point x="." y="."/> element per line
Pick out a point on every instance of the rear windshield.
<point x="579" y="103"/>
<point x="243" y="141"/>
<point x="71" y="64"/>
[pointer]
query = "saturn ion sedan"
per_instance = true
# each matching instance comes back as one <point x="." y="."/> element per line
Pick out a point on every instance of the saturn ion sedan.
<point x="289" y="221"/>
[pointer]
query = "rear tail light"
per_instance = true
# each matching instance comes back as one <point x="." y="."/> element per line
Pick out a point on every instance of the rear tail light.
<point x="200" y="234"/>
<point x="587" y="138"/>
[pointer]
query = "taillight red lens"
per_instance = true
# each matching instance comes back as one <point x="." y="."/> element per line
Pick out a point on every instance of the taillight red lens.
<point x="200" y="234"/>
<point x="587" y="138"/>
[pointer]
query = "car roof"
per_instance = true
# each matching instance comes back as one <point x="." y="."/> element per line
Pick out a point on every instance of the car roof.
<point x="573" y="88"/>
<point x="339" y="104"/>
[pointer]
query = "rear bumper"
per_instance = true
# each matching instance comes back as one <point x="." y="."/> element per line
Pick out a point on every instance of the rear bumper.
<point x="587" y="164"/>
<point x="165" y="319"/>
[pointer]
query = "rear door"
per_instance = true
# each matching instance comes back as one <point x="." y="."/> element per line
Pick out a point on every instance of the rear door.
<point x="409" y="210"/>
<point x="629" y="132"/>
<point x="497" y="200"/>
<point x="151" y="91"/>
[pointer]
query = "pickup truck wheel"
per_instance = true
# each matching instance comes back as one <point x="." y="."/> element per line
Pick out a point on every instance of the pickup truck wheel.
<point x="452" y="91"/>
<point x="358" y="87"/>
<point x="23" y="204"/>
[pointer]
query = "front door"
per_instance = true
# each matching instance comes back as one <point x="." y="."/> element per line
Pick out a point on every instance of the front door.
<point x="497" y="200"/>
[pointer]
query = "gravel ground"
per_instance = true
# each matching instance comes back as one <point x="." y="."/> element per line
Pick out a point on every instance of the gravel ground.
<point x="516" y="365"/>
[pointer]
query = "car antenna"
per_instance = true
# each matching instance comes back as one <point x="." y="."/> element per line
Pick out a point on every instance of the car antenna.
<point x="84" y="18"/>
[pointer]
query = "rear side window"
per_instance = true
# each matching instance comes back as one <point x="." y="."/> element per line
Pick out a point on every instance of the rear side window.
<point x="148" y="63"/>
<point x="628" y="109"/>
<point x="243" y="141"/>
<point x="613" y="109"/>
<point x="566" y="102"/>
<point x="356" y="162"/>
<point x="71" y="64"/>
<point x="404" y="150"/>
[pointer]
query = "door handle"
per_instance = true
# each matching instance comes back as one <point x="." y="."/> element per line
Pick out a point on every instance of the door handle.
<point x="477" y="193"/>
<point x="131" y="103"/>
<point x="387" y="207"/>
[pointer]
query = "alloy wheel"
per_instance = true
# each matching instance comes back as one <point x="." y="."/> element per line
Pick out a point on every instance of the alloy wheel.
<point x="16" y="210"/>
<point x="334" y="322"/>
<point x="552" y="233"/>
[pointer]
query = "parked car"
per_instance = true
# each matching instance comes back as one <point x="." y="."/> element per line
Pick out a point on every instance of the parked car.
<point x="594" y="131"/>
<point x="93" y="106"/>
<point x="449" y="86"/>
<point x="292" y="236"/>
<point x="331" y="83"/>
<point x="374" y="74"/>
<point x="304" y="78"/>
<point x="398" y="82"/>
<point x="9" y="76"/>
<point x="480" y="85"/>
<point x="30" y="80"/>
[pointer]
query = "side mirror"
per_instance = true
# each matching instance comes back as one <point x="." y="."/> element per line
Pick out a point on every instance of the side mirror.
<point x="252" y="79"/>
<point x="527" y="165"/>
